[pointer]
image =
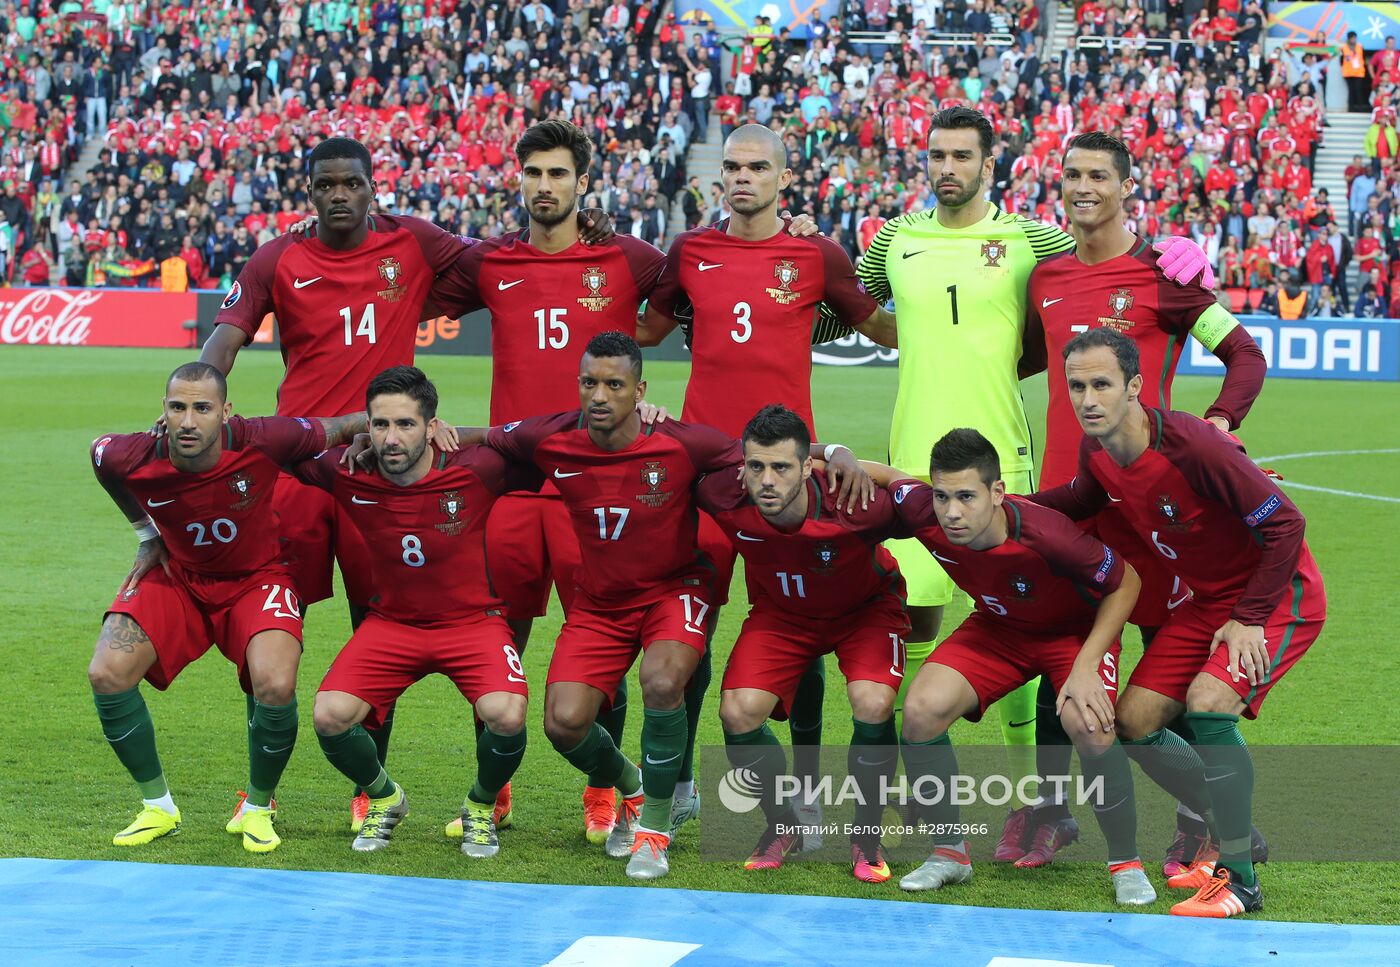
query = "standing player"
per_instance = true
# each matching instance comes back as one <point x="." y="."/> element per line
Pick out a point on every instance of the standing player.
<point x="548" y="294"/>
<point x="1111" y="279"/>
<point x="1258" y="602"/>
<point x="208" y="570"/>
<point x="752" y="295"/>
<point x="1050" y="601"/>
<point x="348" y="296"/>
<point x="819" y="583"/>
<point x="958" y="274"/>
<point x="423" y="517"/>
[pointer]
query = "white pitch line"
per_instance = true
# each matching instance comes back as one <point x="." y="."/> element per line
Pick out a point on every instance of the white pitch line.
<point x="1331" y="453"/>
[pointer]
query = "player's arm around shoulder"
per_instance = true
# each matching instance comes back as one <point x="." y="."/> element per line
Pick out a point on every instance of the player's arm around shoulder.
<point x="113" y="457"/>
<point x="665" y="298"/>
<point x="871" y="270"/>
<point x="1045" y="240"/>
<point x="248" y="301"/>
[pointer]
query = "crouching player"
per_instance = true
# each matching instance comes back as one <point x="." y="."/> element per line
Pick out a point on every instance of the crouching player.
<point x="1049" y="600"/>
<point x="422" y="514"/>
<point x="819" y="582"/>
<point x="208" y="571"/>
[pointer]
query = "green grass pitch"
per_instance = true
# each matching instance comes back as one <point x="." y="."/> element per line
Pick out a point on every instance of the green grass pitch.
<point x="65" y="549"/>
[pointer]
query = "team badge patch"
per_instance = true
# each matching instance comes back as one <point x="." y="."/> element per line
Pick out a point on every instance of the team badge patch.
<point x="101" y="449"/>
<point x="827" y="553"/>
<point x="510" y="426"/>
<point x="1119" y="302"/>
<point x="786" y="274"/>
<point x="450" y="503"/>
<point x="1171" y="510"/>
<point x="595" y="280"/>
<point x="993" y="250"/>
<point x="241" y="484"/>
<point x="234" y="294"/>
<point x="653" y="476"/>
<point x="1021" y="586"/>
<point x="392" y="274"/>
<point x="904" y="491"/>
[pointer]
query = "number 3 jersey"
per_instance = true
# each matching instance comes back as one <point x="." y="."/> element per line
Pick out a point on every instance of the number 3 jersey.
<point x="632" y="509"/>
<point x="342" y="316"/>
<point x="218" y="523"/>
<point x="427" y="540"/>
<point x="544" y="309"/>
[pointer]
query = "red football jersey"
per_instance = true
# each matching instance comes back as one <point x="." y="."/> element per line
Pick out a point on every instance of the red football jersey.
<point x="427" y="541"/>
<point x="343" y="317"/>
<point x="755" y="305"/>
<point x="1130" y="294"/>
<point x="829" y="567"/>
<point x="544" y="309"/>
<point x="1216" y="519"/>
<point x="219" y="523"/>
<point x="1044" y="579"/>
<point x="633" y="510"/>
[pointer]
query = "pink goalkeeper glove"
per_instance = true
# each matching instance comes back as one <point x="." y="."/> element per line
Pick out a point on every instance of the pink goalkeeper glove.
<point x="1181" y="260"/>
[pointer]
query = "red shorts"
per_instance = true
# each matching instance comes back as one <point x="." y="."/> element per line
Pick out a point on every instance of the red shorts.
<point x="383" y="658"/>
<point x="997" y="660"/>
<point x="529" y="539"/>
<point x="596" y="647"/>
<point x="185" y="614"/>
<point x="1162" y="591"/>
<point x="314" y="532"/>
<point x="1181" y="650"/>
<point x="774" y="650"/>
<point x="715" y="544"/>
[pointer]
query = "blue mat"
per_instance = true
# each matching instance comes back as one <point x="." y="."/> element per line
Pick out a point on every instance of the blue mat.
<point x="84" y="912"/>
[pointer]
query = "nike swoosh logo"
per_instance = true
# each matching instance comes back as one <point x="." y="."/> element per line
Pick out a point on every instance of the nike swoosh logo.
<point x="261" y="842"/>
<point x="357" y="500"/>
<point x="123" y="735"/>
<point x="275" y="751"/>
<point x="745" y="537"/>
<point x="515" y="678"/>
<point x="298" y="284"/>
<point x="1116" y="500"/>
<point x="662" y="762"/>
<point x="159" y="503"/>
<point x="1172" y="605"/>
<point x="910" y="255"/>
<point x="503" y="284"/>
<point x="865" y="762"/>
<point x="896" y="672"/>
<point x="706" y="266"/>
<point x="1047" y="303"/>
<point x="561" y="474"/>
<point x="945" y="560"/>
<point x="1019" y="725"/>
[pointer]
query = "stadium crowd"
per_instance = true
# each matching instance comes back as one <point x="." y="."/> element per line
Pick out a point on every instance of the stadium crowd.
<point x="208" y="111"/>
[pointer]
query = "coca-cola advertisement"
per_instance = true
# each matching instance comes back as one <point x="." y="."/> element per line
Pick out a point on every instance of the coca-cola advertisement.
<point x="96" y="317"/>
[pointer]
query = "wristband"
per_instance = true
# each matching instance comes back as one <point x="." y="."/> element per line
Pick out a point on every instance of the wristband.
<point x="830" y="449"/>
<point x="146" y="530"/>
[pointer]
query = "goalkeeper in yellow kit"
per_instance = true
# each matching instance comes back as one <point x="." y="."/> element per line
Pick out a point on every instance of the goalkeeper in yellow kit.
<point x="958" y="275"/>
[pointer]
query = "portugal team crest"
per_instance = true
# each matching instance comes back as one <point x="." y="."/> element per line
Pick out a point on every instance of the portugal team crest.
<point x="1021" y="586"/>
<point x="1119" y="302"/>
<point x="594" y="280"/>
<point x="241" y="484"/>
<point x="827" y="553"/>
<point x="1171" y="511"/>
<point x="653" y="476"/>
<point x="786" y="274"/>
<point x="450" y="503"/>
<point x="392" y="274"/>
<point x="993" y="250"/>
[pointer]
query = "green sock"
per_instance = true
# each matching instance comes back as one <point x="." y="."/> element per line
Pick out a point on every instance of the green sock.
<point x="805" y="720"/>
<point x="381" y="738"/>
<point x="604" y="765"/>
<point x="497" y="758"/>
<point x="1017" y="711"/>
<point x="272" y="733"/>
<point x="1116" y="808"/>
<point x="934" y="758"/>
<point x="1229" y="770"/>
<point x="914" y="654"/>
<point x="126" y="723"/>
<point x="1175" y="766"/>
<point x="664" y="737"/>
<point x="1052" y="752"/>
<point x="872" y="761"/>
<point x="760" y="753"/>
<point x="614" y="720"/>
<point x="353" y="754"/>
<point x="694" y="701"/>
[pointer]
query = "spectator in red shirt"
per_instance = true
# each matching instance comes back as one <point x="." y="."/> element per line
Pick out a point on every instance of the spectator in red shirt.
<point x="1319" y="264"/>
